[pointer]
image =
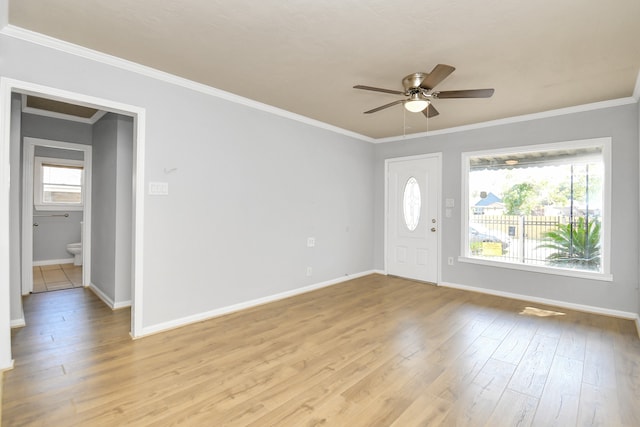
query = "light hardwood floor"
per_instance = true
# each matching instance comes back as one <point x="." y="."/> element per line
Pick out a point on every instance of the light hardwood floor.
<point x="375" y="351"/>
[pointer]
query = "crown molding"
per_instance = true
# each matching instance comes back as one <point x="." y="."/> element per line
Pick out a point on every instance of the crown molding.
<point x="70" y="48"/>
<point x="515" y="119"/>
<point x="73" y="49"/>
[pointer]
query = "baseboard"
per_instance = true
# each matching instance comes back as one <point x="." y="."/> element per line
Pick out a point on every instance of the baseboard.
<point x="104" y="297"/>
<point x="18" y="323"/>
<point x="177" y="323"/>
<point x="557" y="303"/>
<point x="121" y="304"/>
<point x="6" y="368"/>
<point x="107" y="300"/>
<point x="53" y="262"/>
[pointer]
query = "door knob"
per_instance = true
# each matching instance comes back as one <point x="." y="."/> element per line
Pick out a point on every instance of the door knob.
<point x="433" y="229"/>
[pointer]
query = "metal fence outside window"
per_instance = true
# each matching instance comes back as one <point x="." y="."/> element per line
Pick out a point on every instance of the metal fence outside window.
<point x="519" y="236"/>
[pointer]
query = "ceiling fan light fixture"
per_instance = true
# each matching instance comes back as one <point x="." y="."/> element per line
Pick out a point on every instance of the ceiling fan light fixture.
<point x="416" y="104"/>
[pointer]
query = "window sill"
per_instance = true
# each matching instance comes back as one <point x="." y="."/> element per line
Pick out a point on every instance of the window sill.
<point x="58" y="208"/>
<point x="538" y="269"/>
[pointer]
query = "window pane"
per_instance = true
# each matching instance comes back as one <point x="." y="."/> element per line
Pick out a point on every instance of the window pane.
<point x="61" y="184"/>
<point x="411" y="203"/>
<point x="61" y="175"/>
<point x="61" y="194"/>
<point x="539" y="208"/>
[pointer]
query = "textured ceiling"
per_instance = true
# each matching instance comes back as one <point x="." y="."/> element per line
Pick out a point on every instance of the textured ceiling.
<point x="304" y="56"/>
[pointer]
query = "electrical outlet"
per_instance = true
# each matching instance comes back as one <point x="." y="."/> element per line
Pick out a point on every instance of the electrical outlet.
<point x="450" y="260"/>
<point x="311" y="242"/>
<point x="309" y="271"/>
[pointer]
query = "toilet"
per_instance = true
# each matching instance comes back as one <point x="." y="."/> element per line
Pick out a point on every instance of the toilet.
<point x="75" y="249"/>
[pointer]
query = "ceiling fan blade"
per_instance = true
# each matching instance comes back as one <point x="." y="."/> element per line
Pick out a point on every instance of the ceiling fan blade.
<point x="430" y="111"/>
<point x="438" y="74"/>
<point x="377" y="89"/>
<point x="391" y="104"/>
<point x="471" y="93"/>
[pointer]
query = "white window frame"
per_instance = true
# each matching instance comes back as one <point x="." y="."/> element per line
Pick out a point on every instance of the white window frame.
<point x="605" y="144"/>
<point x="38" y="197"/>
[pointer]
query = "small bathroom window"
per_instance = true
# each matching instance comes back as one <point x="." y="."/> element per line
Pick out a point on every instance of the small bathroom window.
<point x="58" y="184"/>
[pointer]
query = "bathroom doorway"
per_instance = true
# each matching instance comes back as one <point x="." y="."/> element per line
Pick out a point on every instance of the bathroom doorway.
<point x="11" y="215"/>
<point x="56" y="215"/>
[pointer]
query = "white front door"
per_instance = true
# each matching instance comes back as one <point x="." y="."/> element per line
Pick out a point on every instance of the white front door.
<point x="413" y="187"/>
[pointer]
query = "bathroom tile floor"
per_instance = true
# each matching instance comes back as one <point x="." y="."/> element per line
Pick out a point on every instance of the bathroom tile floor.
<point x="56" y="277"/>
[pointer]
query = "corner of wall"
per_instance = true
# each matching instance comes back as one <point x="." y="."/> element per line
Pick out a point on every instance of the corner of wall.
<point x="636" y="90"/>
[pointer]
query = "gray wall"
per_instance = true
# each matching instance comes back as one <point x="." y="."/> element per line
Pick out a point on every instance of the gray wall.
<point x="124" y="209"/>
<point x="36" y="126"/>
<point x="15" y="211"/>
<point x="619" y="123"/>
<point x="111" y="206"/>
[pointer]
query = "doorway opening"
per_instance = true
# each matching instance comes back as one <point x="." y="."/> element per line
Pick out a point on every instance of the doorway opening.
<point x="10" y="246"/>
<point x="56" y="211"/>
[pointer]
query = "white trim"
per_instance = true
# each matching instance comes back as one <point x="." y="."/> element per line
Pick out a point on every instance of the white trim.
<point x="6" y="362"/>
<point x="8" y="367"/>
<point x="50" y="42"/>
<point x="121" y="304"/>
<point x="557" y="303"/>
<point x="113" y="305"/>
<point x="28" y="159"/>
<point x="516" y="119"/>
<point x="605" y="143"/>
<point x="104" y="297"/>
<point x="54" y="115"/>
<point x="177" y="323"/>
<point x="18" y="323"/>
<point x="53" y="262"/>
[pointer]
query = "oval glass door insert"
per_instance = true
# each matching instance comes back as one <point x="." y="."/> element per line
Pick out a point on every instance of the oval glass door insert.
<point x="411" y="203"/>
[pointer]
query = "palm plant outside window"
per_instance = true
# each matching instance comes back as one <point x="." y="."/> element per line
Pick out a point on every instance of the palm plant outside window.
<point x="542" y="206"/>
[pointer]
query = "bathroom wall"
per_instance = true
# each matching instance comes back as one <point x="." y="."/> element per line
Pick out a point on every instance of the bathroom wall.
<point x="52" y="234"/>
<point x="111" y="207"/>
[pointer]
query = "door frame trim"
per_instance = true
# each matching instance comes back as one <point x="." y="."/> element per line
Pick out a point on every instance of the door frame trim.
<point x="28" y="156"/>
<point x="9" y="86"/>
<point x="387" y="162"/>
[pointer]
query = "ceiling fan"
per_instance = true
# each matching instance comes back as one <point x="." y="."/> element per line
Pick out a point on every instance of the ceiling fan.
<point x="418" y="87"/>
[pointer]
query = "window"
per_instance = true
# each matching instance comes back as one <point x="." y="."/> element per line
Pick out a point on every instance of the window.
<point x="411" y="203"/>
<point x="541" y="208"/>
<point x="58" y="184"/>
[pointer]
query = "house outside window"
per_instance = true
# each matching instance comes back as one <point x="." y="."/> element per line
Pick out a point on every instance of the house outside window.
<point x="58" y="184"/>
<point x="542" y="208"/>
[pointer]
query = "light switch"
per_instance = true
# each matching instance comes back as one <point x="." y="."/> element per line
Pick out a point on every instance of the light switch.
<point x="159" y="188"/>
